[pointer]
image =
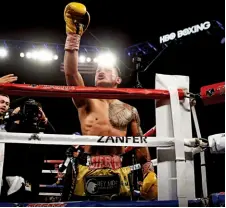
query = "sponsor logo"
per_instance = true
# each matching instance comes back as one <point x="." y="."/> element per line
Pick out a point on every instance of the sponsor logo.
<point x="34" y="137"/>
<point x="47" y="205"/>
<point x="221" y="90"/>
<point x="102" y="185"/>
<point x="56" y="87"/>
<point x="185" y="32"/>
<point x="110" y="139"/>
<point x="217" y="91"/>
<point x="91" y="186"/>
<point x="105" y="161"/>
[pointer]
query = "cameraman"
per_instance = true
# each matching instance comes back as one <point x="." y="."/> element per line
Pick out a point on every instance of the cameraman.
<point x="26" y="160"/>
<point x="29" y="119"/>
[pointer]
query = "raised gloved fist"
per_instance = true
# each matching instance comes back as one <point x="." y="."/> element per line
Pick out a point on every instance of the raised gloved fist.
<point x="76" y="17"/>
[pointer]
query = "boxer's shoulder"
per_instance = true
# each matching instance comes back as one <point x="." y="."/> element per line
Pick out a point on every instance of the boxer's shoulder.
<point x="120" y="108"/>
<point x="120" y="114"/>
<point x="122" y="104"/>
<point x="131" y="108"/>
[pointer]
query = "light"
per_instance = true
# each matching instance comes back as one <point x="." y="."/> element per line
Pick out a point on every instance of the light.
<point x="88" y="59"/>
<point x="82" y="59"/>
<point x="28" y="55"/>
<point x="106" y="59"/>
<point x="95" y="60"/>
<point x="3" y="52"/>
<point x="55" y="57"/>
<point x="22" y="55"/>
<point x="42" y="55"/>
<point x="45" y="55"/>
<point x="34" y="55"/>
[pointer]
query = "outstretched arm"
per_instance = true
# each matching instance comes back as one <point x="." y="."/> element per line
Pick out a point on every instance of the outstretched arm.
<point x="75" y="14"/>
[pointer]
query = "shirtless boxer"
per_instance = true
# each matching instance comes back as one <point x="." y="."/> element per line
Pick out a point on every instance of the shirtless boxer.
<point x="103" y="117"/>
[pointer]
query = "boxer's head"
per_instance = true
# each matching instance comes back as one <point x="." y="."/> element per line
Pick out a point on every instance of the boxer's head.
<point x="4" y="103"/>
<point x="107" y="76"/>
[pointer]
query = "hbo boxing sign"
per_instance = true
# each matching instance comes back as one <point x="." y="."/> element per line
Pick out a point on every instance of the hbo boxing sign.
<point x="187" y="31"/>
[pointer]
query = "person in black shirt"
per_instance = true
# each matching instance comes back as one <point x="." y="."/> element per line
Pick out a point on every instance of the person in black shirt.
<point x="26" y="160"/>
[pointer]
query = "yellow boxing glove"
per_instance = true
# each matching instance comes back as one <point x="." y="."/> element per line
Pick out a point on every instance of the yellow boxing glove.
<point x="76" y="17"/>
<point x="77" y="21"/>
<point x="149" y="187"/>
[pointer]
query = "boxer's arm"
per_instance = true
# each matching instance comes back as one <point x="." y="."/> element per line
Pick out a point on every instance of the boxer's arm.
<point x="73" y="77"/>
<point x="142" y="153"/>
<point x="149" y="187"/>
<point x="77" y="20"/>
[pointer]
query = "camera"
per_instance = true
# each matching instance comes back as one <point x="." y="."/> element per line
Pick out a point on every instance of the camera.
<point x="28" y="117"/>
<point x="29" y="112"/>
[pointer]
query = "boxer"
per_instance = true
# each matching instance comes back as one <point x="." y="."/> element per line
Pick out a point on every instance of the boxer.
<point x="102" y="117"/>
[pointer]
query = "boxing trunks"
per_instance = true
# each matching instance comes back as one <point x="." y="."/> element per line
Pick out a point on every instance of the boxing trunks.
<point x="103" y="178"/>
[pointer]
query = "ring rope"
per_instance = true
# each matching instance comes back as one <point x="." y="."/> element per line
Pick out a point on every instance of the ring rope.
<point x="55" y="139"/>
<point x="86" y="92"/>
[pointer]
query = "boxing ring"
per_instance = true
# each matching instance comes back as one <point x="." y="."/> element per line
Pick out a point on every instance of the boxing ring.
<point x="174" y="141"/>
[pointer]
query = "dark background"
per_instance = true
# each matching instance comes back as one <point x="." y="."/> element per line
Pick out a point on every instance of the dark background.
<point x="118" y="25"/>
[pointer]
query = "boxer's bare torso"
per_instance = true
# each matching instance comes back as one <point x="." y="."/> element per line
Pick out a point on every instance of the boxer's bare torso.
<point x="100" y="117"/>
<point x="107" y="118"/>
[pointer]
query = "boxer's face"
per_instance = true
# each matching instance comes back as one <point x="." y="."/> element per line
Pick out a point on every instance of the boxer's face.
<point x="4" y="104"/>
<point x="107" y="77"/>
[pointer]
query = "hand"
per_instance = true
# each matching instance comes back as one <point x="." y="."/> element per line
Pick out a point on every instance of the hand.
<point x="59" y="175"/>
<point x="8" y="79"/>
<point x="42" y="116"/>
<point x="76" y="17"/>
<point x="149" y="187"/>
<point x="16" y="111"/>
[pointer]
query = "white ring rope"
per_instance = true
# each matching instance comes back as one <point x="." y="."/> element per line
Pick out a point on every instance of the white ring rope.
<point x="56" y="139"/>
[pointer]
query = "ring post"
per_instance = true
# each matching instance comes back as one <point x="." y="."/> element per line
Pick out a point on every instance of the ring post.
<point x="175" y="179"/>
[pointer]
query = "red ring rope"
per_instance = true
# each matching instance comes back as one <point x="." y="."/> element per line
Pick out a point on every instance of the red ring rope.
<point x="85" y="92"/>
